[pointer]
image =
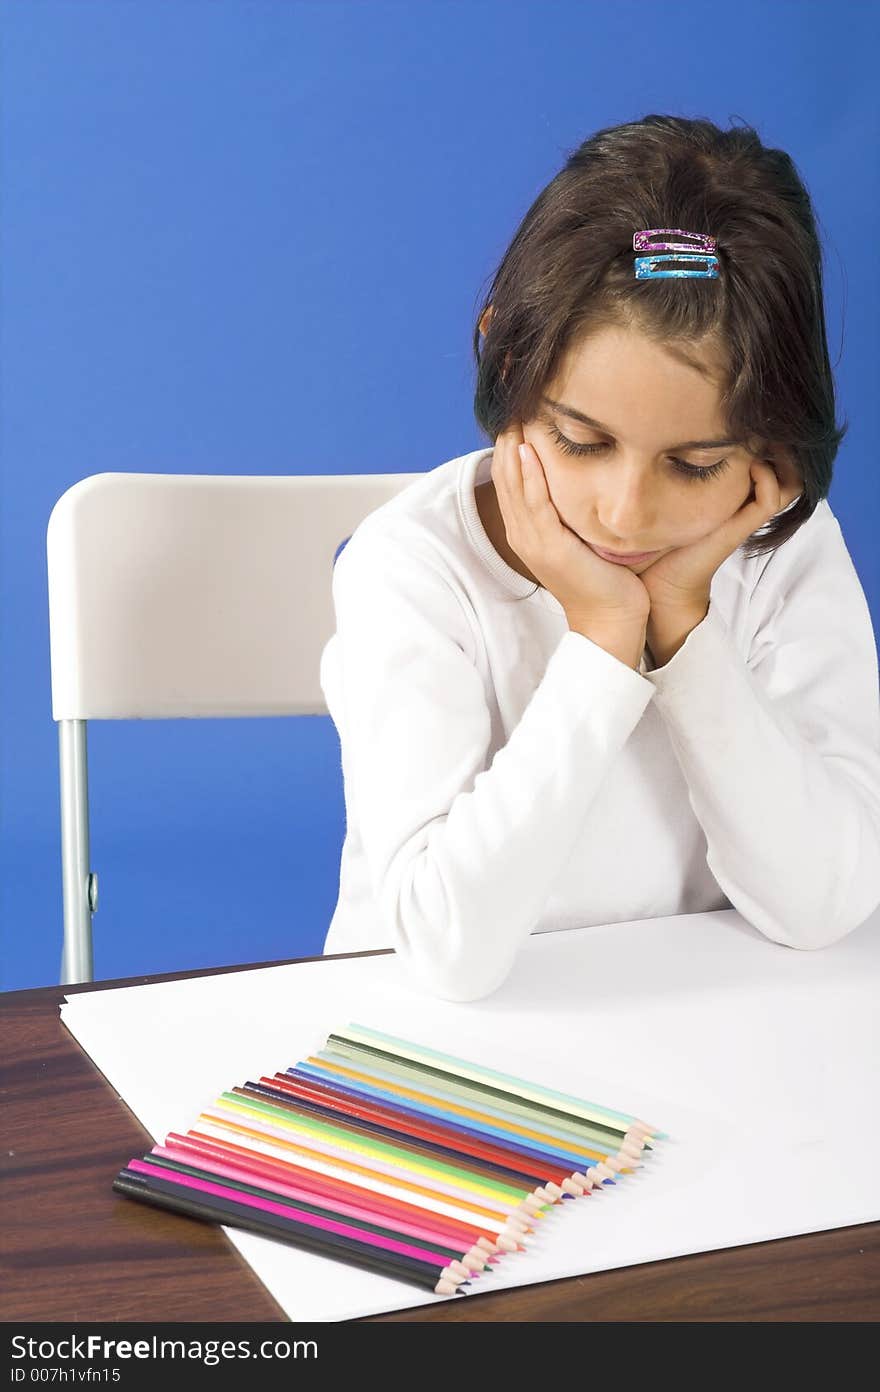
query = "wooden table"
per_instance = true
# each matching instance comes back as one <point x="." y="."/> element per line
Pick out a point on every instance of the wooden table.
<point x="74" y="1250"/>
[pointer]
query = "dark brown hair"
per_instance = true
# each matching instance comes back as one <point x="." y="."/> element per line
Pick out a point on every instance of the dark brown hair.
<point x="569" y="271"/>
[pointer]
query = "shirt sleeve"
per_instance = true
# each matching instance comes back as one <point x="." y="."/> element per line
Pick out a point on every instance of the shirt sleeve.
<point x="463" y="848"/>
<point x="781" y="750"/>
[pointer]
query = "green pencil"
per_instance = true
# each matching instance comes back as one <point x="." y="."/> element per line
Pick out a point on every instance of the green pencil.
<point x="591" y="1111"/>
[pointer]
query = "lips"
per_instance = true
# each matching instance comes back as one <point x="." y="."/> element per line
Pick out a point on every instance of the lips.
<point x="622" y="555"/>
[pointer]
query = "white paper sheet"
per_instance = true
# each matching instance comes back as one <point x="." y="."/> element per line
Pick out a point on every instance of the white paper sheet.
<point x="760" y="1062"/>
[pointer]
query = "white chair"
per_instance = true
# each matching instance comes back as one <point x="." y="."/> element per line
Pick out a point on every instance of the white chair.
<point x="185" y="595"/>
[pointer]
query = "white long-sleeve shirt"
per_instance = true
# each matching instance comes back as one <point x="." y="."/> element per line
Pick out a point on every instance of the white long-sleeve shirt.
<point x="504" y="775"/>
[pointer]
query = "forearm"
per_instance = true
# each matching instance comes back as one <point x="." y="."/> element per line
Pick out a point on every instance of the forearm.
<point x="462" y="892"/>
<point x="463" y="836"/>
<point x="792" y="840"/>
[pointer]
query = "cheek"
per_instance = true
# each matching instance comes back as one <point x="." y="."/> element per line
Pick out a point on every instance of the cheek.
<point x="691" y="510"/>
<point x="707" y="505"/>
<point x="697" y="517"/>
<point x="569" y="492"/>
<point x="564" y="483"/>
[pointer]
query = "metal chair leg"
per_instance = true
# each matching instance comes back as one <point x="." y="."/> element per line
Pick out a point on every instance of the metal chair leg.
<point x="79" y="884"/>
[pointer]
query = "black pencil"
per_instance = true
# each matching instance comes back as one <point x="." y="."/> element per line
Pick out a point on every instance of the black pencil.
<point x="284" y="1223"/>
<point x="163" y="1162"/>
<point x="211" y="1208"/>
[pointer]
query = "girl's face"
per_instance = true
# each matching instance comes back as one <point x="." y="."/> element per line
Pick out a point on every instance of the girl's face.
<point x="652" y="469"/>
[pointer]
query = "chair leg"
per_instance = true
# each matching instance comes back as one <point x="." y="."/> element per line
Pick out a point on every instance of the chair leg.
<point x="79" y="885"/>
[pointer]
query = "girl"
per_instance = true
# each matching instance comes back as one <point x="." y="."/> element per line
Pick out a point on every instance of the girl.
<point x="618" y="665"/>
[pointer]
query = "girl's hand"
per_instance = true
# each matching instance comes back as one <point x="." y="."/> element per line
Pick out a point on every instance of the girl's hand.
<point x="678" y="583"/>
<point x="587" y="587"/>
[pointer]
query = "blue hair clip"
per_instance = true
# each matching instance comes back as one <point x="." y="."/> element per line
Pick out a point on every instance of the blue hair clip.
<point x="645" y="267"/>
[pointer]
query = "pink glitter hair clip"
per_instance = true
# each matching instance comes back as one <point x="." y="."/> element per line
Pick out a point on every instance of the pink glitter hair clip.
<point x="701" y="240"/>
<point x="701" y="249"/>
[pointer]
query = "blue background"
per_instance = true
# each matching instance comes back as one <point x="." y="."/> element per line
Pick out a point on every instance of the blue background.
<point x="252" y="238"/>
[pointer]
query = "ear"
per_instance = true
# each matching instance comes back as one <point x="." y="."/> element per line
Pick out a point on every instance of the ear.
<point x="484" y="328"/>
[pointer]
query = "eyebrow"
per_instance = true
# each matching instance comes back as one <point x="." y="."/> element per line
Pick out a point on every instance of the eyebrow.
<point x="597" y="425"/>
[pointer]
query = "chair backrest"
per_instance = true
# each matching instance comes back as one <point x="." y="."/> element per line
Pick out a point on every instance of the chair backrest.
<point x="186" y="595"/>
<point x="197" y="595"/>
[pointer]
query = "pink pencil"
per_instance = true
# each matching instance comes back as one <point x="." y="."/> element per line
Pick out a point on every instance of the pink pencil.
<point x="354" y="1187"/>
<point x="227" y="1119"/>
<point x="395" y="1185"/>
<point x="311" y="1220"/>
<point x="190" y="1157"/>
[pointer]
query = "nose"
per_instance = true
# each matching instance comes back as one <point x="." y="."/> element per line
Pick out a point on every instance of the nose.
<point x="625" y="506"/>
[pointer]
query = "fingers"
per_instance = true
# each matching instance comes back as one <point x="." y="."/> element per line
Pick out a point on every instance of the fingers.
<point x="762" y="504"/>
<point x="779" y="485"/>
<point x="788" y="483"/>
<point x="768" y="498"/>
<point x="791" y="484"/>
<point x="534" y="482"/>
<point x="502" y="486"/>
<point x="522" y="479"/>
<point x="762" y="501"/>
<point x="532" y="525"/>
<point x="507" y="478"/>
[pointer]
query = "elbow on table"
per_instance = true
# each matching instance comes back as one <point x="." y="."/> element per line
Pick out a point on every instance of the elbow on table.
<point x="852" y="901"/>
<point x="439" y="942"/>
<point x="444" y="963"/>
<point x="810" y="934"/>
<point x="449" y="977"/>
<point x="813" y="942"/>
<point x="809" y="912"/>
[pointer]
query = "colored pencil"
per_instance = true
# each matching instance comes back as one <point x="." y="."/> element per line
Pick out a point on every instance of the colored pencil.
<point x="389" y="1155"/>
<point x="418" y="1138"/>
<point x="391" y="1144"/>
<point x="398" y="1186"/>
<point x="491" y="1126"/>
<point x="342" y="1132"/>
<point x="330" y="1228"/>
<point x="385" y="1162"/>
<point x="356" y="1190"/>
<point x="517" y="1086"/>
<point x="365" y="1183"/>
<point x="210" y="1209"/>
<point x="168" y="1168"/>
<point x="557" y="1140"/>
<point x="459" y="1089"/>
<point x="361" y="1100"/>
<point x="193" y="1161"/>
<point x="355" y="1186"/>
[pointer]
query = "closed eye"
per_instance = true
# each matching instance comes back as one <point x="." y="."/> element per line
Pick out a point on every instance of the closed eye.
<point x="688" y="470"/>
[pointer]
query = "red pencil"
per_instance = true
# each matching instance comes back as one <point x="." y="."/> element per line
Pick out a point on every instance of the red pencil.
<point x="473" y="1258"/>
<point x="440" y="1132"/>
<point x="269" y="1166"/>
